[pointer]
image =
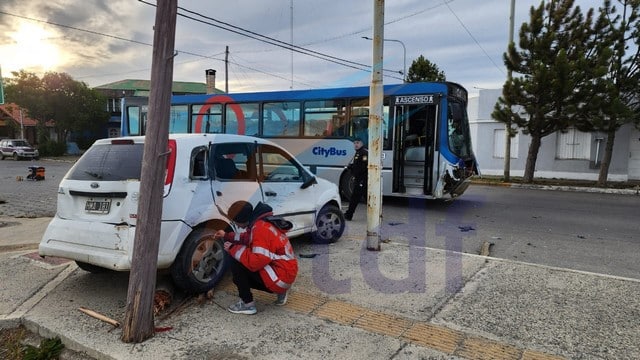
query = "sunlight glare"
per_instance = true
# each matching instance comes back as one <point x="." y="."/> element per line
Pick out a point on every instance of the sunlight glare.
<point x="31" y="50"/>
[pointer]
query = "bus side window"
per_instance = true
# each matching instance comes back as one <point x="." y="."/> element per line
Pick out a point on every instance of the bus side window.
<point x="339" y="126"/>
<point x="360" y="128"/>
<point x="316" y="128"/>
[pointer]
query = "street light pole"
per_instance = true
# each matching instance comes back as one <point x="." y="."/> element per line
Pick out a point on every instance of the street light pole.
<point x="404" y="56"/>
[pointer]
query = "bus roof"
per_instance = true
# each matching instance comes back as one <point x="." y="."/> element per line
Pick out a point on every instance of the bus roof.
<point x="330" y="93"/>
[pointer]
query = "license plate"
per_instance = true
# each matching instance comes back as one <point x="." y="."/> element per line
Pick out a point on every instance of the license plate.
<point x="97" y="207"/>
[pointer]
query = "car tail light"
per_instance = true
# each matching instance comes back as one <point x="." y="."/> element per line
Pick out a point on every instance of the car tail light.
<point x="171" y="166"/>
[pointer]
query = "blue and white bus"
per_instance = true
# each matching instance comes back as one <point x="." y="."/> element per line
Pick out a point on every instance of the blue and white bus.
<point x="426" y="142"/>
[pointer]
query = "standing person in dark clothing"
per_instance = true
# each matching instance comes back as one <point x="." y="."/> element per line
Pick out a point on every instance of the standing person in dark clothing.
<point x="359" y="168"/>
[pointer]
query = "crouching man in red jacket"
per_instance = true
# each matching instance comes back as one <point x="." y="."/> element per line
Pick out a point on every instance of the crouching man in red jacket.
<point x="263" y="258"/>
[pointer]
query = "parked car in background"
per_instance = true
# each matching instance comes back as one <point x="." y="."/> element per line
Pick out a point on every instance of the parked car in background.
<point x="98" y="199"/>
<point x="17" y="149"/>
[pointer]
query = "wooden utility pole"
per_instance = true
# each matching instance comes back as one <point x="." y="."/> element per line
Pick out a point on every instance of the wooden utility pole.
<point x="376" y="95"/>
<point x="226" y="70"/>
<point x="138" y="324"/>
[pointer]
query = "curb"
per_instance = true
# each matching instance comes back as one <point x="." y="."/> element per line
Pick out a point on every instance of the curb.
<point x="635" y="191"/>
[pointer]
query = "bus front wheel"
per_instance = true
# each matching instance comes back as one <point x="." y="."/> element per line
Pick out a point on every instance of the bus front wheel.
<point x="346" y="185"/>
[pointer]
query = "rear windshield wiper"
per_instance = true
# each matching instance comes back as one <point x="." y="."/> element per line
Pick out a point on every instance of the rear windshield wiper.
<point x="95" y="175"/>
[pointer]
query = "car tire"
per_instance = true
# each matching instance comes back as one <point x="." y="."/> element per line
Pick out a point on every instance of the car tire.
<point x="330" y="225"/>
<point x="94" y="269"/>
<point x="346" y="185"/>
<point x="201" y="262"/>
<point x="16" y="157"/>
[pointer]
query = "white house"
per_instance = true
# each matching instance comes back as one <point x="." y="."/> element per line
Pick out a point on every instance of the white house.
<point x="571" y="154"/>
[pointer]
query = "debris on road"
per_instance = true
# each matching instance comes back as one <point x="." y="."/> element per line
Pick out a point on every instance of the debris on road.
<point x="98" y="316"/>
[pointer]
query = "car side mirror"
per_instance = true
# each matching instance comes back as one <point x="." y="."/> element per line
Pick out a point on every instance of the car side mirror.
<point x="312" y="180"/>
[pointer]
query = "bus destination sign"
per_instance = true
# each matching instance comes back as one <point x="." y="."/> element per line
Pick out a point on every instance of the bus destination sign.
<point x="414" y="99"/>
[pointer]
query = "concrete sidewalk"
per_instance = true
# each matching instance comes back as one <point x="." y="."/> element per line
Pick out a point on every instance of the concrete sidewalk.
<point x="404" y="302"/>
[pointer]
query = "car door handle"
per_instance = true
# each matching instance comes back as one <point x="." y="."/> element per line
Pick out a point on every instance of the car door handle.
<point x="270" y="193"/>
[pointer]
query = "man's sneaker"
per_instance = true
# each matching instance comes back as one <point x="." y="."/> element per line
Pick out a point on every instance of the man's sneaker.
<point x="282" y="298"/>
<point x="241" y="308"/>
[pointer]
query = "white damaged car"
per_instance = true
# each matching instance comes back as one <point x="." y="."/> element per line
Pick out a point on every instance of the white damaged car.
<point x="206" y="173"/>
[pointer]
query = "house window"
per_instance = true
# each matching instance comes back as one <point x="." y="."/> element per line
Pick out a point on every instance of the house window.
<point x="573" y="144"/>
<point x="498" y="144"/>
<point x="113" y="105"/>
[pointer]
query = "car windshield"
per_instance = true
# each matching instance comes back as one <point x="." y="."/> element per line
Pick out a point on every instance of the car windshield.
<point x="20" y="143"/>
<point x="109" y="162"/>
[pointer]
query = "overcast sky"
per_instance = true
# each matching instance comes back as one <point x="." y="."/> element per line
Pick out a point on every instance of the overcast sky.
<point x="99" y="42"/>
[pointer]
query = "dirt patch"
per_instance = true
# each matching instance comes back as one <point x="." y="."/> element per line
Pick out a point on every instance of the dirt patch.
<point x="51" y="260"/>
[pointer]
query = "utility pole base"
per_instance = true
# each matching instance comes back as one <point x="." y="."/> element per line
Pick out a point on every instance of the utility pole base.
<point x="373" y="241"/>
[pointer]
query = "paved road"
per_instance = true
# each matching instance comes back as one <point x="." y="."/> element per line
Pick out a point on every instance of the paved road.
<point x="28" y="198"/>
<point x="595" y="232"/>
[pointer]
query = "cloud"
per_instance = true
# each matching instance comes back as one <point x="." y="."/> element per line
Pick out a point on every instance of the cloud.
<point x="106" y="41"/>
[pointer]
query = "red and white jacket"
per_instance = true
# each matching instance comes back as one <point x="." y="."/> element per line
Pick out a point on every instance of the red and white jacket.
<point x="268" y="252"/>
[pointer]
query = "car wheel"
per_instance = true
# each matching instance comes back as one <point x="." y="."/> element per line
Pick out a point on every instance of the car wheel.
<point x="94" y="269"/>
<point x="346" y="185"/>
<point x="330" y="225"/>
<point x="201" y="262"/>
<point x="16" y="157"/>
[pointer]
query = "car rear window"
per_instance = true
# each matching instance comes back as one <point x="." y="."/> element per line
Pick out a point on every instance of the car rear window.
<point x="109" y="162"/>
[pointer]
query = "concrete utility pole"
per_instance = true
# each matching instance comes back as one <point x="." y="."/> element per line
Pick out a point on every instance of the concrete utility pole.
<point x="376" y="95"/>
<point x="507" y="129"/>
<point x="138" y="324"/>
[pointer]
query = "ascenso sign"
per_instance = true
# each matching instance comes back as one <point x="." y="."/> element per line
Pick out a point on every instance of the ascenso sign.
<point x="414" y="99"/>
<point x="326" y="152"/>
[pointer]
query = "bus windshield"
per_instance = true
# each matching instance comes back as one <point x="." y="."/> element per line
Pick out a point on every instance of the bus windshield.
<point x="458" y="130"/>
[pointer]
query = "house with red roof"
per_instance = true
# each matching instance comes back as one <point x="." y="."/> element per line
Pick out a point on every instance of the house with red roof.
<point x="15" y="123"/>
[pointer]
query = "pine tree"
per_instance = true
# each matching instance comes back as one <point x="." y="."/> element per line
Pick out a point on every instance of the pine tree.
<point x="422" y="69"/>
<point x="615" y="93"/>
<point x="551" y="70"/>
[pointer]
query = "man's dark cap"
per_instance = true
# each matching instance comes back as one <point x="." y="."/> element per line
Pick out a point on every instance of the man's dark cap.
<point x="240" y="211"/>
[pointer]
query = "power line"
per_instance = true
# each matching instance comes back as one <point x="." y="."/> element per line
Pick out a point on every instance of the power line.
<point x="123" y="39"/>
<point x="269" y="40"/>
<point x="98" y="33"/>
<point x="230" y="28"/>
<point x="474" y="39"/>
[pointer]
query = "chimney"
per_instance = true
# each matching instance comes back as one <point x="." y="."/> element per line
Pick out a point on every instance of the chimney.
<point x="210" y="76"/>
